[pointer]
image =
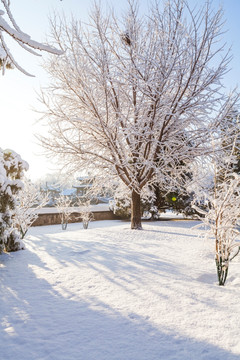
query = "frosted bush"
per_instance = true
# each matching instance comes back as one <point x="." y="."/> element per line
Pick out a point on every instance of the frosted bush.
<point x="11" y="171"/>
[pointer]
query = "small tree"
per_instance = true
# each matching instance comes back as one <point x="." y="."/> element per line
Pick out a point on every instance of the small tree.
<point x="85" y="213"/>
<point x="222" y="218"/>
<point x="63" y="204"/>
<point x="29" y="200"/>
<point x="11" y="172"/>
<point x="223" y="202"/>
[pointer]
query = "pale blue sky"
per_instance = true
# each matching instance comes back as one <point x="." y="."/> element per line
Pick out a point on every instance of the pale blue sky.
<point x="18" y="91"/>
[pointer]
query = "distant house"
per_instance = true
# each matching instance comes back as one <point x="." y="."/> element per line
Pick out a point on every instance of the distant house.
<point x="53" y="193"/>
<point x="77" y="193"/>
<point x="69" y="192"/>
<point x="85" y="183"/>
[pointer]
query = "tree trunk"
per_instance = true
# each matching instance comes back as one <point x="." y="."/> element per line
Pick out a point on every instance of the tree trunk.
<point x="222" y="270"/>
<point x="85" y="224"/>
<point x="64" y="225"/>
<point x="136" y="211"/>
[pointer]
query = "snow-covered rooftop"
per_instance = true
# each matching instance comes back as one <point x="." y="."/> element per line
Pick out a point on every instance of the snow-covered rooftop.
<point x="68" y="192"/>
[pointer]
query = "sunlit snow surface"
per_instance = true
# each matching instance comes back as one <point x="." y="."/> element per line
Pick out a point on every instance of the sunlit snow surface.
<point x="111" y="293"/>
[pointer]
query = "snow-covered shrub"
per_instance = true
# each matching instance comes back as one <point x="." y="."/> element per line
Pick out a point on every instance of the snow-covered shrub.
<point x="121" y="205"/>
<point x="63" y="205"/>
<point x="11" y="172"/>
<point x="85" y="213"/>
<point x="180" y="202"/>
<point x="122" y="208"/>
<point x="148" y="203"/>
<point x="29" y="200"/>
<point x="162" y="198"/>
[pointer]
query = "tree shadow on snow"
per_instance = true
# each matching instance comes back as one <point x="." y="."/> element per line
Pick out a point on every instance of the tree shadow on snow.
<point x="99" y="255"/>
<point x="190" y="225"/>
<point x="38" y="322"/>
<point x="208" y="278"/>
<point x="116" y="262"/>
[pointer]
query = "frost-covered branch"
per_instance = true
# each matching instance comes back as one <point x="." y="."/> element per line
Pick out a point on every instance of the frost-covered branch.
<point x="23" y="39"/>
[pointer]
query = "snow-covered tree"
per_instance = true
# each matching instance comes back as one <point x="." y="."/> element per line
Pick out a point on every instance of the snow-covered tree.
<point x="11" y="28"/>
<point x="63" y="204"/>
<point x="11" y="172"/>
<point x="127" y="92"/>
<point x="85" y="213"/>
<point x="222" y="203"/>
<point x="222" y="218"/>
<point x="29" y="200"/>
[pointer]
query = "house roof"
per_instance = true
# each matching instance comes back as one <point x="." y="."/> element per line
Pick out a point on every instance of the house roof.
<point x="68" y="192"/>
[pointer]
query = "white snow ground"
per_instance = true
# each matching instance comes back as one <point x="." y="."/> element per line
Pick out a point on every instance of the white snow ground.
<point x="111" y="293"/>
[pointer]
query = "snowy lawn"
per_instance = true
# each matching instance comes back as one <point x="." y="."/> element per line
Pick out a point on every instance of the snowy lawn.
<point x="110" y="293"/>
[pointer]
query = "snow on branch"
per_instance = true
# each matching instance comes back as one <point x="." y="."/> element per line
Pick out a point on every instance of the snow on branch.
<point x="24" y="40"/>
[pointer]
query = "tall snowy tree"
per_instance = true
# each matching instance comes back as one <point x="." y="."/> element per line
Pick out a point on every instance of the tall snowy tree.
<point x="11" y="28"/>
<point x="128" y="90"/>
